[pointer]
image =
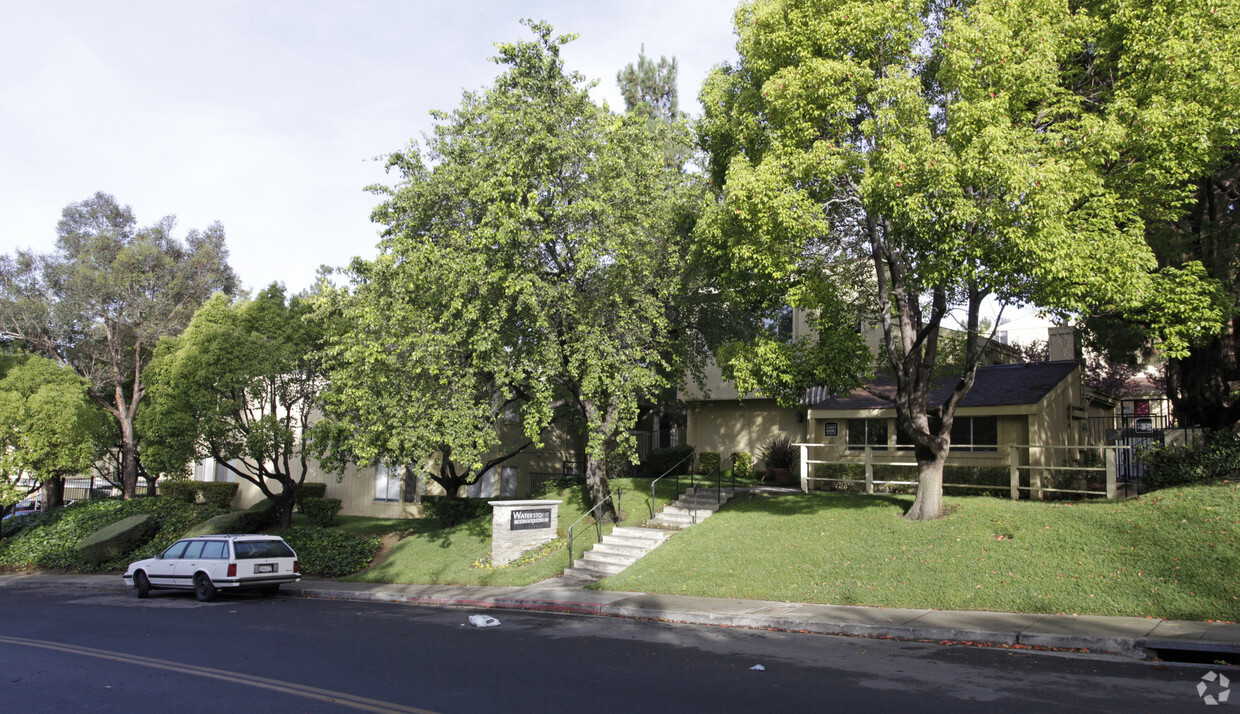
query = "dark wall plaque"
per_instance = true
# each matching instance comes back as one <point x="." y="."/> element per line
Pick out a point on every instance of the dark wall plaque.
<point x="831" y="428"/>
<point x="531" y="518"/>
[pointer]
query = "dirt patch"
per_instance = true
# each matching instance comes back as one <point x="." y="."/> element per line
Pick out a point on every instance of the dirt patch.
<point x="386" y="541"/>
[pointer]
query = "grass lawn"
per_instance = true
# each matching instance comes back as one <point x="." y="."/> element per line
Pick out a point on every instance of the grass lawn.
<point x="1174" y="554"/>
<point x="448" y="555"/>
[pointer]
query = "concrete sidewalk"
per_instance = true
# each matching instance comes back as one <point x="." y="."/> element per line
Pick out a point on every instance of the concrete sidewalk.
<point x="1127" y="636"/>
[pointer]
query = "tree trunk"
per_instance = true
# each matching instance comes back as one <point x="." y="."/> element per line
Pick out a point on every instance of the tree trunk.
<point x="129" y="460"/>
<point x="600" y="490"/>
<point x="929" y="502"/>
<point x="53" y="492"/>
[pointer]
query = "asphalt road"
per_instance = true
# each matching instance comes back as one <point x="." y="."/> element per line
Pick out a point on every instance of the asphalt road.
<point x="64" y="650"/>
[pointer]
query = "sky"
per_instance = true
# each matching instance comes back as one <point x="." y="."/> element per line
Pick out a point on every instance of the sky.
<point x="272" y="117"/>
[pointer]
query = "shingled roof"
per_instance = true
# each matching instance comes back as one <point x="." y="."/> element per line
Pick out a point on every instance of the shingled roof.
<point x="996" y="385"/>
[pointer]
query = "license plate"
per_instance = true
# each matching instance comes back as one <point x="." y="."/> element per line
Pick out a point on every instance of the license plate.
<point x="265" y="568"/>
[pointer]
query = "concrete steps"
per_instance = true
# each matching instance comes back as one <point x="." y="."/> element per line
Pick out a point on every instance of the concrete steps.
<point x="617" y="551"/>
<point x="699" y="503"/>
<point x="626" y="544"/>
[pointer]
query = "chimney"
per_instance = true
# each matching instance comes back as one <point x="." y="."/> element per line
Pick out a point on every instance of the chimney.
<point x="1062" y="343"/>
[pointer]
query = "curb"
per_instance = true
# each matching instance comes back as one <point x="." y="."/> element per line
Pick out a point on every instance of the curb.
<point x="1129" y="637"/>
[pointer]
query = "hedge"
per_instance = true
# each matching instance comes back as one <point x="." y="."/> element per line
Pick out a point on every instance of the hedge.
<point x="330" y="553"/>
<point x="661" y="460"/>
<point x="1214" y="457"/>
<point x="708" y="461"/>
<point x="116" y="539"/>
<point x="321" y="511"/>
<point x="742" y="464"/>
<point x="218" y="494"/>
<point x="451" y="511"/>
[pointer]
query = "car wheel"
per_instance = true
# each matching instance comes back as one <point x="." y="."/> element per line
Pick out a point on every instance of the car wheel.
<point x="270" y="590"/>
<point x="143" y="585"/>
<point x="204" y="589"/>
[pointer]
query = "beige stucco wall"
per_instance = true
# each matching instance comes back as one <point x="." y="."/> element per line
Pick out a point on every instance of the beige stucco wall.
<point x="728" y="426"/>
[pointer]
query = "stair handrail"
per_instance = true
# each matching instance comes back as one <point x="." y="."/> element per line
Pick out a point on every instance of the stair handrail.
<point x="618" y="493"/>
<point x="688" y="456"/>
<point x="693" y="507"/>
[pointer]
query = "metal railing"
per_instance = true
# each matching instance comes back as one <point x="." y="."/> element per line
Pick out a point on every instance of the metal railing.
<point x="693" y="507"/>
<point x="667" y="473"/>
<point x="598" y="523"/>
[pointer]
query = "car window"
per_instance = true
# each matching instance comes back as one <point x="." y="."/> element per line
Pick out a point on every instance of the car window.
<point x="174" y="551"/>
<point x="250" y="549"/>
<point x="194" y="550"/>
<point x="216" y="549"/>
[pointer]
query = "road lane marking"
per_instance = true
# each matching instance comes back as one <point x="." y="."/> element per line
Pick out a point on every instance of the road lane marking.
<point x="326" y="695"/>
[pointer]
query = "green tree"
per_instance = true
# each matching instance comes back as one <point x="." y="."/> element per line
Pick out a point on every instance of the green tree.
<point x="238" y="386"/>
<point x="650" y="90"/>
<point x="49" y="427"/>
<point x="102" y="301"/>
<point x="532" y="251"/>
<point x="969" y="152"/>
<point x="405" y="388"/>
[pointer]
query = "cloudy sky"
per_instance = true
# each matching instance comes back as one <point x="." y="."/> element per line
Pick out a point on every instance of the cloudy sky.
<point x="268" y="115"/>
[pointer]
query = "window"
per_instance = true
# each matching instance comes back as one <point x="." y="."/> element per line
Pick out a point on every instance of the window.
<point x="175" y="550"/>
<point x="975" y="433"/>
<point x="253" y="549"/>
<point x="387" y="483"/>
<point x="194" y="551"/>
<point x="866" y="432"/>
<point x="215" y="549"/>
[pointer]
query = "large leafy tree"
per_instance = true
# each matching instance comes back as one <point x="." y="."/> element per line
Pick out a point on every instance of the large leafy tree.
<point x="106" y="296"/>
<point x="238" y="386"/>
<point x="969" y="152"/>
<point x="49" y="427"/>
<point x="527" y="260"/>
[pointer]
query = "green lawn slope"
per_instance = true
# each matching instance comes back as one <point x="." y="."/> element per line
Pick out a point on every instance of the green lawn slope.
<point x="1173" y="554"/>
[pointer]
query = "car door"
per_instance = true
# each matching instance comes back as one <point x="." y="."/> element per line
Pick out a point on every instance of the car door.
<point x="191" y="562"/>
<point x="162" y="572"/>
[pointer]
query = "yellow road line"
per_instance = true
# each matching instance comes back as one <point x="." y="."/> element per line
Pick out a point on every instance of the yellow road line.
<point x="326" y="695"/>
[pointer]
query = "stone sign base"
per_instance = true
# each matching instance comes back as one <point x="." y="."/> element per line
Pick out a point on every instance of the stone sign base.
<point x="518" y="526"/>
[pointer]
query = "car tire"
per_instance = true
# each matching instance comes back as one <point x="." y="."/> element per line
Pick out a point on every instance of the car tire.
<point x="270" y="590"/>
<point x="141" y="582"/>
<point x="204" y="589"/>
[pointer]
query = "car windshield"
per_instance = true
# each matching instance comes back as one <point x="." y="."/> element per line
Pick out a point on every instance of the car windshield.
<point x="249" y="549"/>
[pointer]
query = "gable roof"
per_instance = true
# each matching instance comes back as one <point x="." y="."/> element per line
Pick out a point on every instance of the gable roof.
<point x="996" y="385"/>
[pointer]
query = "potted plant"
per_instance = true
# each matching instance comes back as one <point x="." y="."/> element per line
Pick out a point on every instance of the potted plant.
<point x="779" y="455"/>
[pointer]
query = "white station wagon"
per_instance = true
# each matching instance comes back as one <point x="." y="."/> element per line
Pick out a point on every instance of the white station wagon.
<point x="207" y="563"/>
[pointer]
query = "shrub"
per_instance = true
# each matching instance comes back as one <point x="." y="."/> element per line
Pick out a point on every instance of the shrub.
<point x="321" y="511"/>
<point x="260" y="515"/>
<point x="1214" y="457"/>
<point x="116" y="539"/>
<point x="47" y="540"/>
<point x="453" y="511"/>
<point x="660" y="461"/>
<point x="708" y="461"/>
<point x="219" y="495"/>
<point x="553" y="485"/>
<point x="314" y="489"/>
<point x="742" y="464"/>
<point x="779" y="453"/>
<point x="186" y="491"/>
<point x="235" y="522"/>
<point x="330" y="553"/>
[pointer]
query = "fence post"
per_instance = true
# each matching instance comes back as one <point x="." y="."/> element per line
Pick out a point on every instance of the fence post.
<point x="804" y="469"/>
<point x="869" y="470"/>
<point x="1112" y="457"/>
<point x="1014" y="471"/>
